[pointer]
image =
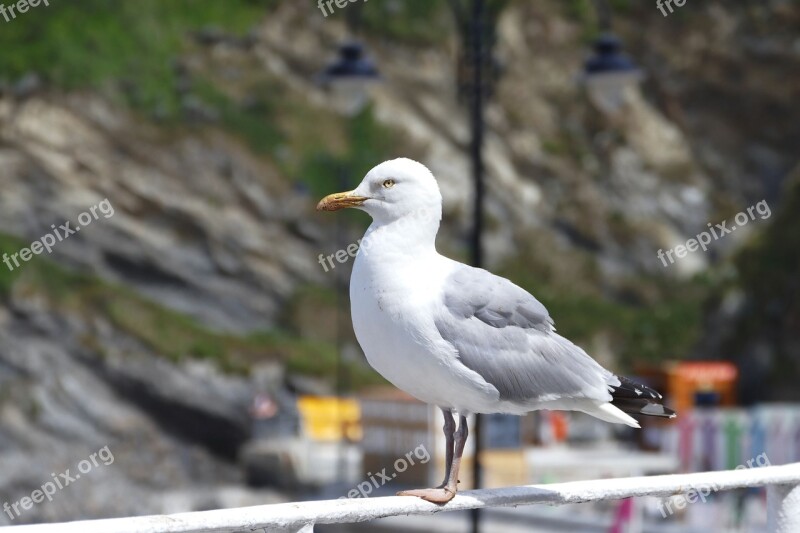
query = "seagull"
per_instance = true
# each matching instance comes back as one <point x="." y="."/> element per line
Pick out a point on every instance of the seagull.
<point x="460" y="337"/>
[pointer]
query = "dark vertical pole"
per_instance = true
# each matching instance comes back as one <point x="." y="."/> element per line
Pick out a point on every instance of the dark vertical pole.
<point x="476" y="114"/>
<point x="603" y="15"/>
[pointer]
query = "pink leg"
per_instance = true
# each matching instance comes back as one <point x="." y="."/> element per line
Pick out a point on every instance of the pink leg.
<point x="448" y="489"/>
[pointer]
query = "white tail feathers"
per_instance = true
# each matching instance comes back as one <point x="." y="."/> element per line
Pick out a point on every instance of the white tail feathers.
<point x="610" y="413"/>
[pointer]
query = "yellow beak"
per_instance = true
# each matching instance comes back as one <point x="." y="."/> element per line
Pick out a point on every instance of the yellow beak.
<point x="340" y="200"/>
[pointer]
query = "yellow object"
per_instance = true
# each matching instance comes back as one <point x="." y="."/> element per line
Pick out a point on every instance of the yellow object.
<point x="330" y="418"/>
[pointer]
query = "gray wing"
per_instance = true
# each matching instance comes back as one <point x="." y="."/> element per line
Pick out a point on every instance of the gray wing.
<point x="507" y="336"/>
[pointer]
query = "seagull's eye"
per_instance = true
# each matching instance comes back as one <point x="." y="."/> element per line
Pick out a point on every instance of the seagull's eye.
<point x="388" y="184"/>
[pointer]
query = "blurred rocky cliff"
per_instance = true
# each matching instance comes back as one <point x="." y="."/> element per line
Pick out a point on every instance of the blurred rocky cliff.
<point x="205" y="130"/>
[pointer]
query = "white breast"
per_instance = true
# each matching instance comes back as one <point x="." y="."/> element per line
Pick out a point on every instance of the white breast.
<point x="393" y="302"/>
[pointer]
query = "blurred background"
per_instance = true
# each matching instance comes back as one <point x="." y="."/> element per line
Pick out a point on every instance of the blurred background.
<point x="202" y="331"/>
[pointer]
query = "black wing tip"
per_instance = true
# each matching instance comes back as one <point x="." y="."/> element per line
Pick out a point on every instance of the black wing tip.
<point x="635" y="398"/>
<point x="628" y="388"/>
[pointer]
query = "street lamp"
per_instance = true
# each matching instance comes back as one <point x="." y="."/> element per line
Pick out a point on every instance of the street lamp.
<point x="349" y="78"/>
<point x="609" y="74"/>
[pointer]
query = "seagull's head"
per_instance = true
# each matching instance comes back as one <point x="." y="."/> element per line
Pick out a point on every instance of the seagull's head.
<point x="392" y="190"/>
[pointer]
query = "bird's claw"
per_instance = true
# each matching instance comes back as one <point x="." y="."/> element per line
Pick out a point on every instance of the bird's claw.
<point x="440" y="495"/>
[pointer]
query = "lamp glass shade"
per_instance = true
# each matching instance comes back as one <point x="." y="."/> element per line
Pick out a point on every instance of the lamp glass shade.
<point x="609" y="74"/>
<point x="349" y="78"/>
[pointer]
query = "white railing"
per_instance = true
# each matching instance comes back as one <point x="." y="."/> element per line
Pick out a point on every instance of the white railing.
<point x="783" y="494"/>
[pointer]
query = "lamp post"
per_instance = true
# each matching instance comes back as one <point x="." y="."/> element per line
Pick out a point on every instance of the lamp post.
<point x="348" y="79"/>
<point x="476" y="73"/>
<point x="608" y="74"/>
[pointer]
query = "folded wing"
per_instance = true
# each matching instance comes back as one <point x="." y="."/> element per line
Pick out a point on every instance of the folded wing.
<point x="507" y="336"/>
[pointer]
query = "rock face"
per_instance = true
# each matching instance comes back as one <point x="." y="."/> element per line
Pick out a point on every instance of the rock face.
<point x="198" y="224"/>
<point x="201" y="227"/>
<point x="170" y="432"/>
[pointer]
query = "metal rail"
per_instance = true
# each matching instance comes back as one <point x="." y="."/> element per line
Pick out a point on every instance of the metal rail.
<point x="783" y="495"/>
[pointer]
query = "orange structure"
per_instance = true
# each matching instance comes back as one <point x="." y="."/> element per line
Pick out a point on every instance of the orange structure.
<point x="690" y="380"/>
